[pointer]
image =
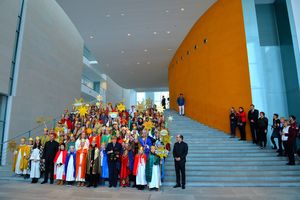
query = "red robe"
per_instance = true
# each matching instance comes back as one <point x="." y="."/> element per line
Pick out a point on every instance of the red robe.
<point x="137" y="160"/>
<point x="64" y="156"/>
<point x="125" y="171"/>
<point x="83" y="163"/>
<point x="98" y="139"/>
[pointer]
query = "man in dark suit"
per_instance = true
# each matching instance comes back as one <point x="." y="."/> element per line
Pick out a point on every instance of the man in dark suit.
<point x="180" y="152"/>
<point x="50" y="150"/>
<point x="114" y="152"/>
<point x="253" y="117"/>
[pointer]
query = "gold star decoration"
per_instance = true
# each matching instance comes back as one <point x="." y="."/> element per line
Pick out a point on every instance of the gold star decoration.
<point x="160" y="109"/>
<point x="149" y="102"/>
<point x="140" y="106"/>
<point x="82" y="110"/>
<point x="166" y="139"/>
<point x="121" y="107"/>
<point x="78" y="102"/>
<point x="148" y="125"/>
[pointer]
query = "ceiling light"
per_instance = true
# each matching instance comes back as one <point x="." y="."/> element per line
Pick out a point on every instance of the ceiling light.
<point x="128" y="34"/>
<point x="122" y="14"/>
<point x="107" y="15"/>
<point x="155" y="33"/>
<point x="168" y="32"/>
<point x="169" y="49"/>
<point x="138" y="63"/>
<point x="91" y="37"/>
<point x="122" y="52"/>
<point x="145" y="50"/>
<point x="166" y="11"/>
<point x="182" y="9"/>
<point x="93" y="62"/>
<point x="148" y="63"/>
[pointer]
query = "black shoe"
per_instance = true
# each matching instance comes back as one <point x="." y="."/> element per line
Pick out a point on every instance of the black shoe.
<point x="43" y="182"/>
<point x="110" y="186"/>
<point x="89" y="185"/>
<point x="274" y="147"/>
<point x="183" y="187"/>
<point x="51" y="182"/>
<point x="134" y="185"/>
<point x="290" y="163"/>
<point x="176" y="186"/>
<point x="280" y="155"/>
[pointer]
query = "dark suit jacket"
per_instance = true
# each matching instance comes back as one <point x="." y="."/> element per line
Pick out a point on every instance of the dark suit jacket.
<point x="180" y="150"/>
<point x="117" y="151"/>
<point x="50" y="150"/>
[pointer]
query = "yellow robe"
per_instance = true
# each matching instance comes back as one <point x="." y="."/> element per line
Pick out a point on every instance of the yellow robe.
<point x="44" y="139"/>
<point x="25" y="153"/>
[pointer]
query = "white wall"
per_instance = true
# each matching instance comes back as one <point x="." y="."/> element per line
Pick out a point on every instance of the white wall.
<point x="9" y="11"/>
<point x="49" y="69"/>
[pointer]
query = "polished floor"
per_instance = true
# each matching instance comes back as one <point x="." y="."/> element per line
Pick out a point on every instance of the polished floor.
<point x="10" y="190"/>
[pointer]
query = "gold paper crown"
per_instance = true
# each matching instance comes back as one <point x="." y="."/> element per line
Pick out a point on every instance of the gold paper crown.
<point x="45" y="129"/>
<point x="31" y="139"/>
<point x="37" y="138"/>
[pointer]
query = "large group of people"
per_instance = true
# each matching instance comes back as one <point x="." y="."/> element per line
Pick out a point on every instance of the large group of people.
<point x="285" y="131"/>
<point x="94" y="144"/>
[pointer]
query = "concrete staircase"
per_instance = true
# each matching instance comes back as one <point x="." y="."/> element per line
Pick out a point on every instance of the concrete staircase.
<point x="216" y="160"/>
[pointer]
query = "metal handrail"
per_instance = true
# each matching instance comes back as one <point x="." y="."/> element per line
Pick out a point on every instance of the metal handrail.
<point x="37" y="127"/>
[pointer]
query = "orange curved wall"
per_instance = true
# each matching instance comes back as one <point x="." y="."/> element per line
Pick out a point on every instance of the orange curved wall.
<point x="213" y="76"/>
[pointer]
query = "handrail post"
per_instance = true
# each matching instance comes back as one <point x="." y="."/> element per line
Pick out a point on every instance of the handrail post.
<point x="29" y="133"/>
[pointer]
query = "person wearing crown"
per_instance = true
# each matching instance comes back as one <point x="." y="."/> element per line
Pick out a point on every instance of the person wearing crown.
<point x="45" y="138"/>
<point x="153" y="176"/>
<point x="20" y="164"/>
<point x="139" y="169"/>
<point x="35" y="160"/>
<point x="92" y="164"/>
<point x="71" y="166"/>
<point x="125" y="171"/>
<point x="59" y="164"/>
<point x="104" y="163"/>
<point x="81" y="155"/>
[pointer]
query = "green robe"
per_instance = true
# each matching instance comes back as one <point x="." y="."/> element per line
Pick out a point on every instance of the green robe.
<point x="96" y="166"/>
<point x="152" y="160"/>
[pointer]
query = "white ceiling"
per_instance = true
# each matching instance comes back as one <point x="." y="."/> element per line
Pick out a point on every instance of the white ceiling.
<point x="140" y="60"/>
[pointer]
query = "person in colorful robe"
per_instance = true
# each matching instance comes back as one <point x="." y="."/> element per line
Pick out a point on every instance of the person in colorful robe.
<point x="104" y="162"/>
<point x="81" y="155"/>
<point x="70" y="166"/>
<point x="139" y="169"/>
<point x="92" y="164"/>
<point x="125" y="171"/>
<point x="20" y="164"/>
<point x="153" y="175"/>
<point x="59" y="165"/>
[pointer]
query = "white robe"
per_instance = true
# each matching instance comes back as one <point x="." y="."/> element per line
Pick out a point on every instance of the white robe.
<point x="78" y="178"/>
<point x="141" y="173"/>
<point x="60" y="170"/>
<point x="17" y="169"/>
<point x="35" y="163"/>
<point x="70" y="170"/>
<point x="155" y="179"/>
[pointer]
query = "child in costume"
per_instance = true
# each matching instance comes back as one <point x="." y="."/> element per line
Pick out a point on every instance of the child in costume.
<point x="125" y="171"/>
<point x="139" y="169"/>
<point x="153" y="170"/>
<point x="20" y="163"/>
<point x="81" y="155"/>
<point x="71" y="165"/>
<point x="35" y="158"/>
<point x="104" y="162"/>
<point x="59" y="165"/>
<point x="93" y="168"/>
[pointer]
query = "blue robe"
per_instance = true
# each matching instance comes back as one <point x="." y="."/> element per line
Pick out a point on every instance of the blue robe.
<point x="105" y="172"/>
<point x="131" y="160"/>
<point x="74" y="162"/>
<point x="144" y="144"/>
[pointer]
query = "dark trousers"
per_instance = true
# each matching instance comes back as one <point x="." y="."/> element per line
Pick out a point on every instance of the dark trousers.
<point x="262" y="137"/>
<point x="291" y="152"/>
<point x="49" y="168"/>
<point x="180" y="169"/>
<point x="232" y="128"/>
<point x="253" y="132"/>
<point x="243" y="130"/>
<point x="113" y="173"/>
<point x="284" y="143"/>
<point x="93" y="179"/>
<point x="279" y="143"/>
